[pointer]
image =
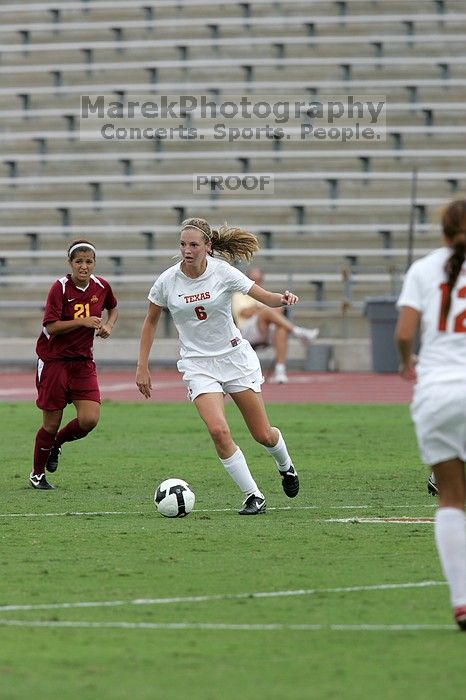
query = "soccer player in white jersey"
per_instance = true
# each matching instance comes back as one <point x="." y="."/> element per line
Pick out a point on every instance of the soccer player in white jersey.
<point x="434" y="296"/>
<point x="215" y="359"/>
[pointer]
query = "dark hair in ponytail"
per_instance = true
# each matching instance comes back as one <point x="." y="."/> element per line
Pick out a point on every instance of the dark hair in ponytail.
<point x="454" y="223"/>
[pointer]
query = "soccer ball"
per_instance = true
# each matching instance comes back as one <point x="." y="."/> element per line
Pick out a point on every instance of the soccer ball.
<point x="174" y="498"/>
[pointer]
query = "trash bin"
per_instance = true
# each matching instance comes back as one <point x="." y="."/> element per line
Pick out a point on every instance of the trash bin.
<point x="318" y="357"/>
<point x="382" y="314"/>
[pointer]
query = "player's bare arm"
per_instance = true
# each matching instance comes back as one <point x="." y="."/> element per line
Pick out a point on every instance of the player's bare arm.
<point x="273" y="299"/>
<point x="405" y="334"/>
<point x="61" y="327"/>
<point x="143" y="378"/>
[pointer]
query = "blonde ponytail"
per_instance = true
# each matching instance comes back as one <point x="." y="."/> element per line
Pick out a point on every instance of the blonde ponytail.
<point x="231" y="242"/>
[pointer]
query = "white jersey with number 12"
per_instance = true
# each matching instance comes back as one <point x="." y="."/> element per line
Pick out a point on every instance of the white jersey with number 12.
<point x="443" y="340"/>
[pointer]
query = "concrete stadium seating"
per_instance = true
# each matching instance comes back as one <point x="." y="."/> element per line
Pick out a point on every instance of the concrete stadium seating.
<point x="339" y="221"/>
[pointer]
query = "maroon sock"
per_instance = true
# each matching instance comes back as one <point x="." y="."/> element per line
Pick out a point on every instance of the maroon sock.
<point x="43" y="445"/>
<point x="70" y="432"/>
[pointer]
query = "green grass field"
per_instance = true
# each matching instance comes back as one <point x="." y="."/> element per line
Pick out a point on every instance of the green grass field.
<point x="97" y="539"/>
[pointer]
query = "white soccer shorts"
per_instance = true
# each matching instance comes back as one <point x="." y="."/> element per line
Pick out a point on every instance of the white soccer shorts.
<point x="228" y="374"/>
<point x="439" y="415"/>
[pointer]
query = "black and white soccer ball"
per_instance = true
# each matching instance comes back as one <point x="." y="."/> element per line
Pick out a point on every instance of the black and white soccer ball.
<point x="174" y="498"/>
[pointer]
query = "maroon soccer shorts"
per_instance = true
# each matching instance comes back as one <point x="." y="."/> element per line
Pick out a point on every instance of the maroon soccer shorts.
<point x="60" y="382"/>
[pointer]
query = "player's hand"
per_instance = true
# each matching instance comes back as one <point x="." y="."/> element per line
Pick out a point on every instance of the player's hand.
<point x="288" y="298"/>
<point x="104" y="331"/>
<point x="92" y="322"/>
<point x="408" y="370"/>
<point x="144" y="382"/>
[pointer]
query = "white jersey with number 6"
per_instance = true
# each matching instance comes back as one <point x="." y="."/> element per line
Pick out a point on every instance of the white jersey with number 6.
<point x="443" y="340"/>
<point x="201" y="307"/>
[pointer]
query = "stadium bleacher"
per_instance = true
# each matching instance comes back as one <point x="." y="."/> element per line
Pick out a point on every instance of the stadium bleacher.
<point x="337" y="222"/>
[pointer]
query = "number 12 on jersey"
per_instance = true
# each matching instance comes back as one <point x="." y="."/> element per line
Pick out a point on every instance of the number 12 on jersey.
<point x="459" y="322"/>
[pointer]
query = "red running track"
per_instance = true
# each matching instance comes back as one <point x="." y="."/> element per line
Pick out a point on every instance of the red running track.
<point x="303" y="387"/>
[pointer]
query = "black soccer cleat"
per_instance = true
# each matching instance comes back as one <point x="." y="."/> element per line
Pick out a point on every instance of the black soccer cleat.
<point x="253" y="505"/>
<point x="290" y="482"/>
<point x="38" y="481"/>
<point x="432" y="486"/>
<point x="54" y="456"/>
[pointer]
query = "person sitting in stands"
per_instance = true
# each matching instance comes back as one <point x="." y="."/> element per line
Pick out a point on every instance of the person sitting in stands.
<point x="263" y="327"/>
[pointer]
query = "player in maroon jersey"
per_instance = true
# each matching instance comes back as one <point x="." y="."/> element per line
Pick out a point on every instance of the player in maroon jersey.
<point x="66" y="370"/>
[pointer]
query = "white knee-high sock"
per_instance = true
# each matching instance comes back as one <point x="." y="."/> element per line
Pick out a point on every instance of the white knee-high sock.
<point x="280" y="453"/>
<point x="450" y="538"/>
<point x="238" y="469"/>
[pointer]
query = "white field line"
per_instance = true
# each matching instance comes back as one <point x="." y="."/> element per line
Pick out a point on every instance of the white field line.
<point x="16" y="392"/>
<point x="224" y="626"/>
<point x="64" y="513"/>
<point x="124" y="386"/>
<point x="221" y="596"/>
<point x="212" y="510"/>
<point x="383" y="521"/>
<point x="28" y="392"/>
